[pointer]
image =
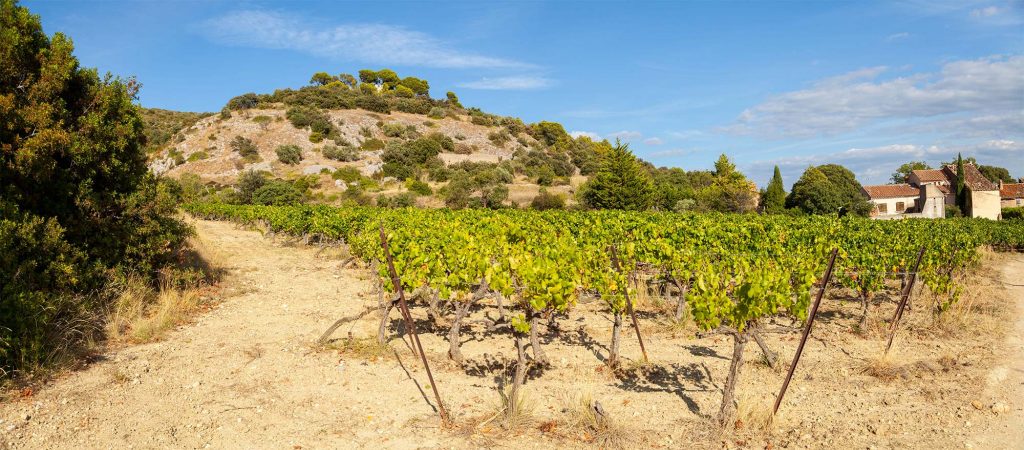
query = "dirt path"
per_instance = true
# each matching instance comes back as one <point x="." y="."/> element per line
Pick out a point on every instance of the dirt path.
<point x="246" y="375"/>
<point x="1005" y="382"/>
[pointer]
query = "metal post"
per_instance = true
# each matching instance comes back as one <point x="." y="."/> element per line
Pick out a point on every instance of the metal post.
<point x="904" y="297"/>
<point x="410" y="324"/>
<point x="807" y="328"/>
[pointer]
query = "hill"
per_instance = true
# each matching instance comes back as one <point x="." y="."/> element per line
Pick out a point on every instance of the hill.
<point x="386" y="128"/>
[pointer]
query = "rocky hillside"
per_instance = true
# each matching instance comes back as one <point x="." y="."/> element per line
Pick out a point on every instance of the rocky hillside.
<point x="205" y="149"/>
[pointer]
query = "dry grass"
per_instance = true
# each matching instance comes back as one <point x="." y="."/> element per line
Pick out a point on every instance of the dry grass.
<point x="591" y="423"/>
<point x="361" y="348"/>
<point x="142" y="314"/>
<point x="754" y="413"/>
<point x="883" y="368"/>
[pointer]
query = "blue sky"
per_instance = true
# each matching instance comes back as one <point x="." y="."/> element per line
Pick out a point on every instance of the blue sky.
<point x="865" y="84"/>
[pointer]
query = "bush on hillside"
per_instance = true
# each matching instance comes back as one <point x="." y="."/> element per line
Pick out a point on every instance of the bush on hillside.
<point x="343" y="154"/>
<point x="243" y="146"/>
<point x="277" y="193"/>
<point x="546" y="200"/>
<point x="289" y="154"/>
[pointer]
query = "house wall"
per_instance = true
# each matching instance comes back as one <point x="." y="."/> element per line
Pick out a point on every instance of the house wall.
<point x="890" y="205"/>
<point x="1013" y="202"/>
<point x="934" y="203"/>
<point x="986" y="204"/>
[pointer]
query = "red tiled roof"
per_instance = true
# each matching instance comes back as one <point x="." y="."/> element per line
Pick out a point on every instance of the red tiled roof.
<point x="972" y="178"/>
<point x="891" y="191"/>
<point x="930" y="175"/>
<point x="945" y="189"/>
<point x="1012" y="190"/>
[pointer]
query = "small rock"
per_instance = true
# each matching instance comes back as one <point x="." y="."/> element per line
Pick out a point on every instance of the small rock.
<point x="26" y="417"/>
<point x="977" y="405"/>
<point x="1000" y="408"/>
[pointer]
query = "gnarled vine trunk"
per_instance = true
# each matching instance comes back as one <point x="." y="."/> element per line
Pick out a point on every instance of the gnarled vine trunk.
<point x="454" y="338"/>
<point x="538" y="352"/>
<point x="613" y="351"/>
<point x="728" y="409"/>
<point x="681" y="305"/>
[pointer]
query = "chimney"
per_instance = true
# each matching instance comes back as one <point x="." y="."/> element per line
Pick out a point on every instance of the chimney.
<point x="1000" y="184"/>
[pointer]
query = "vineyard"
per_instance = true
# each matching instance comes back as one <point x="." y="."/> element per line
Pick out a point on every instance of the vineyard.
<point x="727" y="272"/>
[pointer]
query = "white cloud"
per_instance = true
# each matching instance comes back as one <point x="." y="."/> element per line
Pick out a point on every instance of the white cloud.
<point x="514" y="83"/>
<point x="372" y="43"/>
<point x="672" y="152"/>
<point x="984" y="87"/>
<point x="653" y="141"/>
<point x="987" y="11"/>
<point x="625" y="135"/>
<point x="897" y="36"/>
<point x="593" y="136"/>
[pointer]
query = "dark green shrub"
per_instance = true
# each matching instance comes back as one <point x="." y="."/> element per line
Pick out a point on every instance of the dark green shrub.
<point x="372" y="144"/>
<point x="277" y="192"/>
<point x="373" y="103"/>
<point x="546" y="200"/>
<point x="244" y="101"/>
<point x="243" y="146"/>
<point x="403" y="200"/>
<point x="418" y="187"/>
<point x="343" y="154"/>
<point x="289" y="154"/>
<point x="1016" y="213"/>
<point x="248" y="182"/>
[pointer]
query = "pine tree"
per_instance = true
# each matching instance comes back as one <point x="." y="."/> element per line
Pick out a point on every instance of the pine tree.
<point x="620" y="183"/>
<point x="774" y="198"/>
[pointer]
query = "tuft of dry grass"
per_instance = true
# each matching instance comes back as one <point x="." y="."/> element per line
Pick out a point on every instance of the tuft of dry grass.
<point x="361" y="348"/>
<point x="591" y="423"/>
<point x="883" y="368"/>
<point x="754" y="413"/>
<point x="142" y="314"/>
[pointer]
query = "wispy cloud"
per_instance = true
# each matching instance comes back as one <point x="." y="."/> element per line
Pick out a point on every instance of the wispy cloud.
<point x="653" y="141"/>
<point x="984" y="87"/>
<point x="511" y="83"/>
<point x="897" y="36"/>
<point x="625" y="135"/>
<point x="593" y="136"/>
<point x="372" y="43"/>
<point x="672" y="152"/>
<point x="987" y="11"/>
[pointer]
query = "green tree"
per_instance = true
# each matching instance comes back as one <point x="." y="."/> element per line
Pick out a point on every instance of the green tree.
<point x="368" y="76"/>
<point x="321" y="79"/>
<point x="828" y="189"/>
<point x="453" y="99"/>
<point x="901" y="174"/>
<point x="77" y="202"/>
<point x="248" y="182"/>
<point x="417" y="86"/>
<point x="348" y="80"/>
<point x="548" y="133"/>
<point x="620" y="183"/>
<point x="244" y="146"/>
<point x="996" y="174"/>
<point x="774" y="199"/>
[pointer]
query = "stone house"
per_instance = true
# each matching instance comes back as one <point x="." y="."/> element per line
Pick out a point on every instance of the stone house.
<point x="927" y="192"/>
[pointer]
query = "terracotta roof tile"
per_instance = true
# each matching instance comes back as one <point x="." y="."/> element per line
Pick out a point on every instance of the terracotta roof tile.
<point x="930" y="175"/>
<point x="1012" y="190"/>
<point x="891" y="191"/>
<point x="972" y="177"/>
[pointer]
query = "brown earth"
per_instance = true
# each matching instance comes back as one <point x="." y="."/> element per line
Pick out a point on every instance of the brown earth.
<point x="248" y="375"/>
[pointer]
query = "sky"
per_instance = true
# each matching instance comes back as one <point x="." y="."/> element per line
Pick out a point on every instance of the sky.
<point x="868" y="85"/>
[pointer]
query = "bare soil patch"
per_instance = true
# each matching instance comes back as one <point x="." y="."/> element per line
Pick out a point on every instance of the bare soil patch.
<point x="248" y="374"/>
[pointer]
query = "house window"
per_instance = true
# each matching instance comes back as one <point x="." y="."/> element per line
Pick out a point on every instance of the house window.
<point x="900" y="207"/>
<point x="883" y="208"/>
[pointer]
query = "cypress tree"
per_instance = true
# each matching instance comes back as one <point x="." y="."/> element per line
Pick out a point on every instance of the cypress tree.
<point x="961" y="188"/>
<point x="774" y="198"/>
